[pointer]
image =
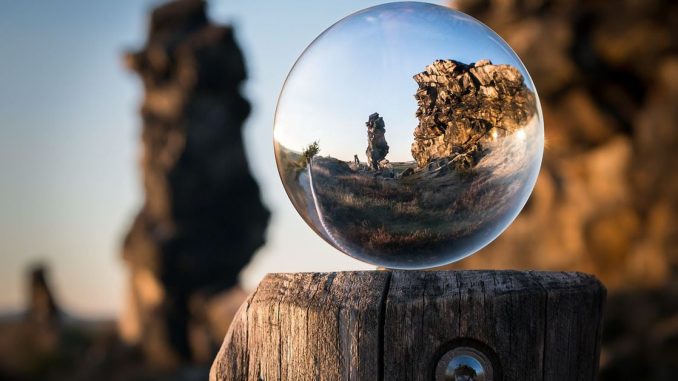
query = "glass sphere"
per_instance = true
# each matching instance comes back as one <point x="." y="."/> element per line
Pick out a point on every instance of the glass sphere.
<point x="408" y="135"/>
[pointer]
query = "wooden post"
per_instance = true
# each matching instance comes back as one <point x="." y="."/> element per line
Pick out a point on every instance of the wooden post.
<point x="416" y="325"/>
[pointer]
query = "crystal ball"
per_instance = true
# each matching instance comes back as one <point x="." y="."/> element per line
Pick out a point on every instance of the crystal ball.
<point x="408" y="135"/>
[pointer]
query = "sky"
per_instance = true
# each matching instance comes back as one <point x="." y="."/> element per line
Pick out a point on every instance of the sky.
<point x="365" y="64"/>
<point x="69" y="133"/>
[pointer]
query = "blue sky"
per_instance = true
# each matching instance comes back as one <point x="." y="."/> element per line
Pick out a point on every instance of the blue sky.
<point x="69" y="135"/>
<point x="365" y="64"/>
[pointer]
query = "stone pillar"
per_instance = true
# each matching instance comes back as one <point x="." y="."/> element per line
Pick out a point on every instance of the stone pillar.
<point x="42" y="307"/>
<point x="377" y="148"/>
<point x="202" y="217"/>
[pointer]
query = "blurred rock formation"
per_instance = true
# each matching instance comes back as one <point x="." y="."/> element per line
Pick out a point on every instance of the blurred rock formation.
<point x="461" y="106"/>
<point x="606" y="201"/>
<point x="377" y="148"/>
<point x="42" y="306"/>
<point x="202" y="219"/>
<point x="30" y="339"/>
<point x="46" y="343"/>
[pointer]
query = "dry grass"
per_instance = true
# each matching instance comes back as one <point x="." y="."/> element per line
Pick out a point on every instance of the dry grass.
<point x="383" y="215"/>
<point x="429" y="214"/>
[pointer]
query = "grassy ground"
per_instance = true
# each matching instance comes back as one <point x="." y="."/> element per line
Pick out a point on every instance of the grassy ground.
<point x="429" y="217"/>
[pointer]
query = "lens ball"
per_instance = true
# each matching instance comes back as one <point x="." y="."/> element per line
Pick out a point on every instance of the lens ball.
<point x="408" y="135"/>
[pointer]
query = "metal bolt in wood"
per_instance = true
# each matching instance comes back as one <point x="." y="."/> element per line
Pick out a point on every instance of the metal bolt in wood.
<point x="464" y="364"/>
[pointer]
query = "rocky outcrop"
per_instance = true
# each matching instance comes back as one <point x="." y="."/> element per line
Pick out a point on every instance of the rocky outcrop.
<point x="377" y="148"/>
<point x="461" y="106"/>
<point x="202" y="218"/>
<point x="606" y="201"/>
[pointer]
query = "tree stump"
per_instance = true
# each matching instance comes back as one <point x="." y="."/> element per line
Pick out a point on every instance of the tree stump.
<point x="417" y="325"/>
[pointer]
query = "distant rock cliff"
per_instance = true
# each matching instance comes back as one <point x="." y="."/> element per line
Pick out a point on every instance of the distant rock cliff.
<point x="461" y="106"/>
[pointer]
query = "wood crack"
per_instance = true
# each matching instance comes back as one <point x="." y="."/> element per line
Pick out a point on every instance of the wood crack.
<point x="382" y="324"/>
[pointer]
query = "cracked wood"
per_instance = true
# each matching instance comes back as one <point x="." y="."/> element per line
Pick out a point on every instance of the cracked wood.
<point x="383" y="325"/>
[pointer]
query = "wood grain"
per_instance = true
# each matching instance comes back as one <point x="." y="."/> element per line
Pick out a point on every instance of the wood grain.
<point x="383" y="325"/>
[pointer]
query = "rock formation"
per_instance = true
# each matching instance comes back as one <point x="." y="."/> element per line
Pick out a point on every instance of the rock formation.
<point x="606" y="201"/>
<point x="461" y="106"/>
<point x="202" y="218"/>
<point x="42" y="307"/>
<point x="377" y="148"/>
<point x="42" y="340"/>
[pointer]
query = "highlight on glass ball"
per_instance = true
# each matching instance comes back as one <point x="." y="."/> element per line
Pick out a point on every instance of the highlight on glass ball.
<point x="408" y="135"/>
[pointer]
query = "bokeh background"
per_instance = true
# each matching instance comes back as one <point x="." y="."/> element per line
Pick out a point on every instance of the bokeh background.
<point x="86" y="146"/>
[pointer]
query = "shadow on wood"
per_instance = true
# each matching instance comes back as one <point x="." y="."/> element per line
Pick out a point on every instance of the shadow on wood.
<point x="416" y="325"/>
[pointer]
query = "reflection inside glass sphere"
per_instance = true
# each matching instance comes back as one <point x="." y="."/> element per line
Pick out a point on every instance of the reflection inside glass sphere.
<point x="408" y="135"/>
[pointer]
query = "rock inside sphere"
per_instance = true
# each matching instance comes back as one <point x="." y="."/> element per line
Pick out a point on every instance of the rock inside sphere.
<point x="408" y="135"/>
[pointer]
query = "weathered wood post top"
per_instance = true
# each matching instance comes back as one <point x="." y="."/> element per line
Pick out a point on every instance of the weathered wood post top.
<point x="417" y="325"/>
